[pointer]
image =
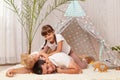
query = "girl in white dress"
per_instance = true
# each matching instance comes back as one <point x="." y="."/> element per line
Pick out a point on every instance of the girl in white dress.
<point x="57" y="43"/>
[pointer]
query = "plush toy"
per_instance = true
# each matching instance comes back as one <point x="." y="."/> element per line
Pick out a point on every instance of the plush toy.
<point x="117" y="68"/>
<point x="89" y="59"/>
<point x="100" y="66"/>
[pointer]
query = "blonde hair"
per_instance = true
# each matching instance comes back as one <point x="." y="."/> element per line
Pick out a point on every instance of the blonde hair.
<point x="29" y="62"/>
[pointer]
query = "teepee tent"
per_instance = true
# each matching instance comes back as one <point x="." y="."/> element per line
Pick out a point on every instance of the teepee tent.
<point x="79" y="32"/>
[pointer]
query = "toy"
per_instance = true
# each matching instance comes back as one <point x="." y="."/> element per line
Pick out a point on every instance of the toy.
<point x="117" y="68"/>
<point x="88" y="59"/>
<point x="100" y="66"/>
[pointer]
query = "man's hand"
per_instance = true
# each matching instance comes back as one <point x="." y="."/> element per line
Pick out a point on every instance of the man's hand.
<point x="21" y="70"/>
<point x="10" y="73"/>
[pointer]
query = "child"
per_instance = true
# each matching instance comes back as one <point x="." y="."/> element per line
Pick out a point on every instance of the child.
<point x="57" y="43"/>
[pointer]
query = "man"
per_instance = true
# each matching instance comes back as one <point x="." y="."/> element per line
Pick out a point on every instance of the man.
<point x="59" y="62"/>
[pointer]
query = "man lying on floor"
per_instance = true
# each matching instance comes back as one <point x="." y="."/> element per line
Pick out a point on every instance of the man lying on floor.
<point x="42" y="64"/>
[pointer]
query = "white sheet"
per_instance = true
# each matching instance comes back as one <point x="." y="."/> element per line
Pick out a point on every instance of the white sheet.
<point x="88" y="74"/>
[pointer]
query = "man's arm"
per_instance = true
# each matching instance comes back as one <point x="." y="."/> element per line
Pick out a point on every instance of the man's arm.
<point x="72" y="69"/>
<point x="68" y="70"/>
<point x="22" y="70"/>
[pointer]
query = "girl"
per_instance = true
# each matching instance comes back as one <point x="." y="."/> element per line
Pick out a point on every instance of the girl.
<point x="57" y="43"/>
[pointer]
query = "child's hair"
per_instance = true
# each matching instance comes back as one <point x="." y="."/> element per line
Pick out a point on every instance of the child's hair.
<point x="37" y="67"/>
<point x="46" y="29"/>
<point x="29" y="62"/>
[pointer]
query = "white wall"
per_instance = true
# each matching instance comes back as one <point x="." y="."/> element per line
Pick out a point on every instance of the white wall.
<point x="105" y="14"/>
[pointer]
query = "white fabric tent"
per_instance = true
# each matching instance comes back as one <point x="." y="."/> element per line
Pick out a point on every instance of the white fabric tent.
<point x="81" y="35"/>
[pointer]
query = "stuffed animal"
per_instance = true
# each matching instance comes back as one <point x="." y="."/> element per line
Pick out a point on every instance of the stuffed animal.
<point x="100" y="66"/>
<point x="117" y="68"/>
<point x="88" y="59"/>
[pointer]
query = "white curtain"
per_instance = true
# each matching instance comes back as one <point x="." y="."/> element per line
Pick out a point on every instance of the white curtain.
<point x="10" y="35"/>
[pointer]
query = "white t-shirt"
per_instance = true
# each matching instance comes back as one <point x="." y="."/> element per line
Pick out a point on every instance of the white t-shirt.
<point x="60" y="59"/>
<point x="65" y="48"/>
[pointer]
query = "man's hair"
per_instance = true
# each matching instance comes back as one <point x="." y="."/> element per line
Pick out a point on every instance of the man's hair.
<point x="37" y="69"/>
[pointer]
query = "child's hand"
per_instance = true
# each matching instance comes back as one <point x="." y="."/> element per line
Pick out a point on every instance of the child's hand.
<point x="42" y="58"/>
<point x="10" y="73"/>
